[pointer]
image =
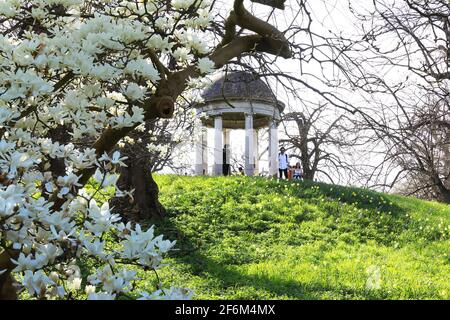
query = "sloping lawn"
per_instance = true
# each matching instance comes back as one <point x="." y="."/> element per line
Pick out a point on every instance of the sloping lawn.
<point x="255" y="238"/>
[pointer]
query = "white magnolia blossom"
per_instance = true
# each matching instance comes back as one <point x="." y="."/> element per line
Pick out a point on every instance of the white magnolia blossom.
<point x="101" y="296"/>
<point x="36" y="282"/>
<point x="86" y="71"/>
<point x="89" y="289"/>
<point x="74" y="284"/>
<point x="144" y="68"/>
<point x="134" y="92"/>
<point x="182" y="54"/>
<point x="205" y="65"/>
<point x="115" y="159"/>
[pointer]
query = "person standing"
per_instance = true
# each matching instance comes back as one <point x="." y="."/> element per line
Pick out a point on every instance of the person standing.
<point x="226" y="160"/>
<point x="283" y="163"/>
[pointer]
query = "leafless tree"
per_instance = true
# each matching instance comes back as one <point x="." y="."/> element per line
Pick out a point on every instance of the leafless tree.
<point x="405" y="54"/>
<point x="319" y="138"/>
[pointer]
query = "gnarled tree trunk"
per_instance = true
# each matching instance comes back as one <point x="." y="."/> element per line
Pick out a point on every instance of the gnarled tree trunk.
<point x="145" y="204"/>
<point x="137" y="175"/>
<point x="7" y="289"/>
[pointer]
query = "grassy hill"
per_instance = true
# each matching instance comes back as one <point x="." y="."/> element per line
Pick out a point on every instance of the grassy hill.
<point x="254" y="238"/>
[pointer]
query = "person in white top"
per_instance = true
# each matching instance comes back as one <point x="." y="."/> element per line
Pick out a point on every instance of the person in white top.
<point x="298" y="171"/>
<point x="283" y="163"/>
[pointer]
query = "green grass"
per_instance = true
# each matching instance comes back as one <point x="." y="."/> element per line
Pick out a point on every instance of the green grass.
<point x="254" y="238"/>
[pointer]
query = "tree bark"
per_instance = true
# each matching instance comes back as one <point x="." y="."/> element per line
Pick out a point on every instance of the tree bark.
<point x="145" y="204"/>
<point x="7" y="289"/>
<point x="137" y="175"/>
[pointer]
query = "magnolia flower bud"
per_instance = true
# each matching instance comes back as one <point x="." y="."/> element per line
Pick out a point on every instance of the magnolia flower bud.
<point x="54" y="276"/>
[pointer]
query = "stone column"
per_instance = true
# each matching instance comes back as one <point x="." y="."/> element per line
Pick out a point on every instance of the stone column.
<point x="256" y="148"/>
<point x="199" y="152"/>
<point x="273" y="148"/>
<point x="205" y="151"/>
<point x="249" y="152"/>
<point x="218" y="145"/>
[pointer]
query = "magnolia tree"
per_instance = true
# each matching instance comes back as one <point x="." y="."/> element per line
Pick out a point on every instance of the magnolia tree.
<point x="77" y="77"/>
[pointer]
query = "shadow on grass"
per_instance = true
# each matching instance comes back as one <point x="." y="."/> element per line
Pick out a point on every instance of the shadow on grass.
<point x="229" y="282"/>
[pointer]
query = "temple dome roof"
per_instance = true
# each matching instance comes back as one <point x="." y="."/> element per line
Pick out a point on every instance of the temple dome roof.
<point x="239" y="85"/>
<point x="233" y="95"/>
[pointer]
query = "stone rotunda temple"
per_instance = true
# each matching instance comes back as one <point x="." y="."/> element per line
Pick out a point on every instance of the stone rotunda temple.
<point x="237" y="100"/>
